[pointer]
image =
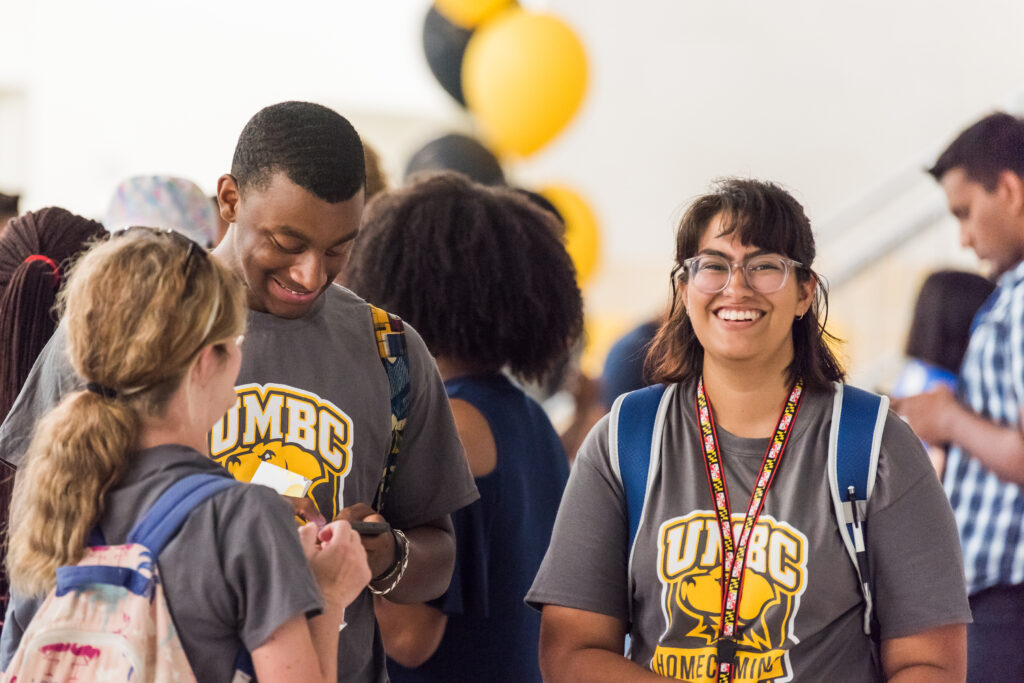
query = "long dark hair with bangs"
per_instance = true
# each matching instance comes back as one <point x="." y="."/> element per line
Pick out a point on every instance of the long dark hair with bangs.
<point x="763" y="215"/>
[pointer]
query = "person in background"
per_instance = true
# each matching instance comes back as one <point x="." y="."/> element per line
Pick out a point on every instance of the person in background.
<point x="747" y="413"/>
<point x="165" y="202"/>
<point x="376" y="178"/>
<point x="154" y="326"/>
<point x="982" y="174"/>
<point x="485" y="278"/>
<point x="36" y="250"/>
<point x="624" y="365"/>
<point x="939" y="332"/>
<point x="313" y="396"/>
<point x="8" y="208"/>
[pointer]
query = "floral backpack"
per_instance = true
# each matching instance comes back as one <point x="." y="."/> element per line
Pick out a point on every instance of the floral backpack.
<point x="107" y="619"/>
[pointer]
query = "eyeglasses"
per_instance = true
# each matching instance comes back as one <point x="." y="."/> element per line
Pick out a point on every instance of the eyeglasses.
<point x="763" y="273"/>
<point x="192" y="249"/>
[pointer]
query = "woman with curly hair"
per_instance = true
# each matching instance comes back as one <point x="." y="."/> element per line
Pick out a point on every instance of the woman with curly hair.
<point x="483" y="276"/>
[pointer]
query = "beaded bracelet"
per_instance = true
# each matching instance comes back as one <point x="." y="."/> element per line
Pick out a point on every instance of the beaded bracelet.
<point x="397" y="570"/>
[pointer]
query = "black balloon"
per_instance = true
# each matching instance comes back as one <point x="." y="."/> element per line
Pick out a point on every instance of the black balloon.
<point x="461" y="153"/>
<point x="444" y="44"/>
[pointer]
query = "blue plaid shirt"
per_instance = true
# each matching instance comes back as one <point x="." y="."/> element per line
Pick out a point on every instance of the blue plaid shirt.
<point x="990" y="512"/>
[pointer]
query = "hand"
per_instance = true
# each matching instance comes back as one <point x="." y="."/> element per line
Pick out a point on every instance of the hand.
<point x="930" y="414"/>
<point x="308" y="539"/>
<point x="306" y="509"/>
<point x="338" y="562"/>
<point x="380" y="549"/>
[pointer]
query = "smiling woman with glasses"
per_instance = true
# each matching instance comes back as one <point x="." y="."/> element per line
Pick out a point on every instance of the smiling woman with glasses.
<point x="727" y="562"/>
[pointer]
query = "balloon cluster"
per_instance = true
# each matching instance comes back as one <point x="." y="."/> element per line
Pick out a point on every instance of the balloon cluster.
<point x="522" y="75"/>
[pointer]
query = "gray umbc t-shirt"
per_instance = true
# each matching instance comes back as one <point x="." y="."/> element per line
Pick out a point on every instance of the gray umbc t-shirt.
<point x="233" y="574"/>
<point x="801" y="610"/>
<point x="313" y="397"/>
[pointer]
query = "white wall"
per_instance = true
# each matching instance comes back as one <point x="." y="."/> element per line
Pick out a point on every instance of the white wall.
<point x="824" y="97"/>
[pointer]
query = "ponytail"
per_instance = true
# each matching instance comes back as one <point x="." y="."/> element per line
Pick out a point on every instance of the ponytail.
<point x="79" y="451"/>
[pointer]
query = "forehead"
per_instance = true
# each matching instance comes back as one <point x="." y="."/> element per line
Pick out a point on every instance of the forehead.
<point x="282" y="204"/>
<point x="959" y="187"/>
<point x="719" y="235"/>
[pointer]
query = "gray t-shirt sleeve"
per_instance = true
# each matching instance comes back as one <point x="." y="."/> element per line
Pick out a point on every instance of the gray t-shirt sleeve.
<point x="585" y="565"/>
<point x="913" y="546"/>
<point x="432" y="478"/>
<point x="50" y="379"/>
<point x="19" y="613"/>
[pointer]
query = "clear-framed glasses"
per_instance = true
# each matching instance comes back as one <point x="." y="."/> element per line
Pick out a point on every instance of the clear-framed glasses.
<point x="763" y="273"/>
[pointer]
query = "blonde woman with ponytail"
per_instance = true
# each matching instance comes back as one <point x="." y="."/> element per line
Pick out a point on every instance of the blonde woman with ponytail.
<point x="154" y="324"/>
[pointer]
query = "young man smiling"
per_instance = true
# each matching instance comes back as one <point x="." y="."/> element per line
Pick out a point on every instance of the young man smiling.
<point x="982" y="174"/>
<point x="313" y="395"/>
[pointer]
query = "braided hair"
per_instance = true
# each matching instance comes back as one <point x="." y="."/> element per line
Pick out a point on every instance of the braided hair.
<point x="35" y="250"/>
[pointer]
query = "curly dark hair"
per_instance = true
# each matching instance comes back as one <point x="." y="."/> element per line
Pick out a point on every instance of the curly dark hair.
<point x="315" y="147"/>
<point x="480" y="272"/>
<point x="764" y="215"/>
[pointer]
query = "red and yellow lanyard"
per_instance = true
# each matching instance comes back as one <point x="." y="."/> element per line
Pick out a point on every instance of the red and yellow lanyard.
<point x="733" y="553"/>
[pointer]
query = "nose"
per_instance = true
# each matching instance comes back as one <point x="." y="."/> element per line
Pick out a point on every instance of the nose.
<point x="308" y="271"/>
<point x="737" y="279"/>
<point x="965" y="235"/>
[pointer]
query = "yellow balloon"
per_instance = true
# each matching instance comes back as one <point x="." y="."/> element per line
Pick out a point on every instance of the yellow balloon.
<point x="582" y="236"/>
<point x="470" y="13"/>
<point x="524" y="76"/>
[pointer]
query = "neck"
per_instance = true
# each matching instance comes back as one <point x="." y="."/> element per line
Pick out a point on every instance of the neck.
<point x="746" y="401"/>
<point x="450" y="368"/>
<point x="156" y="433"/>
<point x="176" y="426"/>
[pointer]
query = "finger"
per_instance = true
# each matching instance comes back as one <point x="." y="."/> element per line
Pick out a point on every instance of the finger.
<point x="357" y="511"/>
<point x="312" y="514"/>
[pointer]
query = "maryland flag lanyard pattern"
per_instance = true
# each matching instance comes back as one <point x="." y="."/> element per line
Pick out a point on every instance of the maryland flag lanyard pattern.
<point x="734" y="554"/>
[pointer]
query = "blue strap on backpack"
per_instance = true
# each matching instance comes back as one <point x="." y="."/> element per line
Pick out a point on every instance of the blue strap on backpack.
<point x="153" y="531"/>
<point x="858" y="418"/>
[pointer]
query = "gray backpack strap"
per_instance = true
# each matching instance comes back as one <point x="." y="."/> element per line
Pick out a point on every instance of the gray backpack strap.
<point x="858" y="419"/>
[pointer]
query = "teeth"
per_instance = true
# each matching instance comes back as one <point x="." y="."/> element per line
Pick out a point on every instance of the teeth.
<point x="731" y="314"/>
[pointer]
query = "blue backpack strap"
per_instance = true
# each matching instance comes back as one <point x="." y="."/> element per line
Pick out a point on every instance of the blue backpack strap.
<point x="153" y="531"/>
<point x="632" y="421"/>
<point x="858" y="419"/>
<point x="169" y="512"/>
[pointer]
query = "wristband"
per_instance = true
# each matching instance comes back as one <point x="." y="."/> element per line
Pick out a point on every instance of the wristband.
<point x="397" y="571"/>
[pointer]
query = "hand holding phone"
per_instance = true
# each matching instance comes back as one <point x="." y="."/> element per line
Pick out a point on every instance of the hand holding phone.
<point x="371" y="528"/>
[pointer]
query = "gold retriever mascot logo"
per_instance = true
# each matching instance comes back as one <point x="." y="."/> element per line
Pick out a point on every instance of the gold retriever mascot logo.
<point x="293" y="429"/>
<point x="689" y="567"/>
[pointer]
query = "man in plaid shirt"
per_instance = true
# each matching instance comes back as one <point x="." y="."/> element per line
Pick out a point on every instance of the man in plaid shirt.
<point x="982" y="174"/>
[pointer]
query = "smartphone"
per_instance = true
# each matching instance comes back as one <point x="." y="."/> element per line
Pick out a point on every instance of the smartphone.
<point x="371" y="528"/>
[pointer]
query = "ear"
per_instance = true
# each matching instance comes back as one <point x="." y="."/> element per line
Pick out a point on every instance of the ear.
<point x="206" y="365"/>
<point x="228" y="197"/>
<point x="1010" y="188"/>
<point x="805" y="292"/>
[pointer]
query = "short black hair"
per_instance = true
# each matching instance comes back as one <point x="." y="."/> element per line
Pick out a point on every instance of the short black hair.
<point x="945" y="307"/>
<point x="766" y="216"/>
<point x="480" y="272"/>
<point x="315" y="147"/>
<point x="984" y="150"/>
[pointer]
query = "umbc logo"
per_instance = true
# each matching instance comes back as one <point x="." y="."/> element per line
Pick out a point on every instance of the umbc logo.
<point x="293" y="429"/>
<point x="689" y="567"/>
